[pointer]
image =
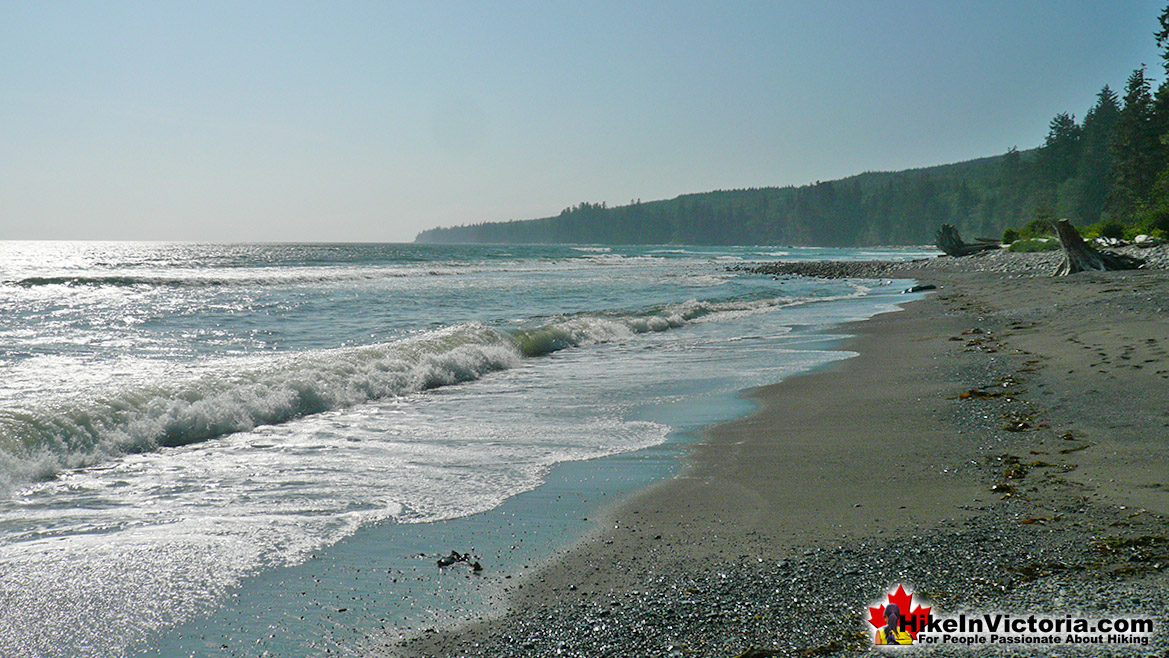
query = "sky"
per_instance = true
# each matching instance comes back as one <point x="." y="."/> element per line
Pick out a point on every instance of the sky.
<point x="371" y="121"/>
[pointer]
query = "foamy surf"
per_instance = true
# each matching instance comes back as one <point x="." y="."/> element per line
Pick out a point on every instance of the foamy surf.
<point x="69" y="433"/>
<point x="91" y="427"/>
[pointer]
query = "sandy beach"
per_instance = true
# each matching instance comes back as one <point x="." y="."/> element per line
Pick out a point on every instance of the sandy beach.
<point x="999" y="446"/>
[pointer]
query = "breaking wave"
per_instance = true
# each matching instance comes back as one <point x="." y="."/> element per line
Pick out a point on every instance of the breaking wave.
<point x="201" y="280"/>
<point x="37" y="443"/>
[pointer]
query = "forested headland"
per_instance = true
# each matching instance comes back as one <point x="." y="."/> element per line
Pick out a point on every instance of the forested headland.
<point x="1107" y="172"/>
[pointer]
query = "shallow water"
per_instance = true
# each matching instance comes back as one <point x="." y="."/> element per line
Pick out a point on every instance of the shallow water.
<point x="179" y="423"/>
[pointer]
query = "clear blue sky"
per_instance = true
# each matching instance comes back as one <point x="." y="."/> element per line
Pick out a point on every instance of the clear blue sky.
<point x="370" y="121"/>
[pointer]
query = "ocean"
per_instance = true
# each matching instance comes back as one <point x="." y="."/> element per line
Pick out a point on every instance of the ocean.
<point x="203" y="445"/>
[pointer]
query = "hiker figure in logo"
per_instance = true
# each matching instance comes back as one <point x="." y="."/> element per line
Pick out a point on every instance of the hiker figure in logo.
<point x="891" y="632"/>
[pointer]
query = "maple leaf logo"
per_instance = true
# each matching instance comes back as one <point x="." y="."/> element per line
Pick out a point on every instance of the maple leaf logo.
<point x="911" y="622"/>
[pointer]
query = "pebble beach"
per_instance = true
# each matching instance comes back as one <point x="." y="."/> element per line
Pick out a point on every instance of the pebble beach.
<point x="998" y="446"/>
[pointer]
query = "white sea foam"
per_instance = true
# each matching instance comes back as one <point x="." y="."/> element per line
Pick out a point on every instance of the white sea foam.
<point x="156" y="538"/>
<point x="239" y="396"/>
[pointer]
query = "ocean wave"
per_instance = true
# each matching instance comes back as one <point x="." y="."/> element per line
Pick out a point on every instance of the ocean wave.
<point x="199" y="280"/>
<point x="226" y="278"/>
<point x="37" y="443"/>
<point x="591" y="329"/>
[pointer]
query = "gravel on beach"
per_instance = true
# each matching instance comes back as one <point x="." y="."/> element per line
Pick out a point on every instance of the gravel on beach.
<point x="1001" y="260"/>
<point x="814" y="604"/>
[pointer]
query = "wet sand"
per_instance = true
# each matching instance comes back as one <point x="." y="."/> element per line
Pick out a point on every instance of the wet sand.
<point x="1000" y="445"/>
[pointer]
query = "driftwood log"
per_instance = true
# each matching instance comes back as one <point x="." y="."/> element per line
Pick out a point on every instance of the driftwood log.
<point x="948" y="240"/>
<point x="1078" y="256"/>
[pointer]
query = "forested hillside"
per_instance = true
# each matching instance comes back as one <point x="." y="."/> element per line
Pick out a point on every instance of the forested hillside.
<point x="1111" y="170"/>
<point x="981" y="197"/>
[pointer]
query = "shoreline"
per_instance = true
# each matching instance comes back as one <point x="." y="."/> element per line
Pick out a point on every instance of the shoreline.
<point x="1018" y="498"/>
<point x="381" y="584"/>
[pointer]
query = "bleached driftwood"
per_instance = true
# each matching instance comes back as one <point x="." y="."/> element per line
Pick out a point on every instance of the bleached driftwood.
<point x="1078" y="256"/>
<point x="948" y="240"/>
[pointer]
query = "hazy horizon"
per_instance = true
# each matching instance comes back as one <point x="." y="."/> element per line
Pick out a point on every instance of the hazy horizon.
<point x="374" y="121"/>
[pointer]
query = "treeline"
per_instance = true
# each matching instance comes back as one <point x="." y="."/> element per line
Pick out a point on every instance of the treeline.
<point x="1111" y="168"/>
<point x="980" y="197"/>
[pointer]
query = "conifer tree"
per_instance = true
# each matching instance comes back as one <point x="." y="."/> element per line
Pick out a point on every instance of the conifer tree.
<point x="1135" y="146"/>
<point x="1061" y="150"/>
<point x="1096" y="170"/>
<point x="1156" y="204"/>
<point x="1162" y="37"/>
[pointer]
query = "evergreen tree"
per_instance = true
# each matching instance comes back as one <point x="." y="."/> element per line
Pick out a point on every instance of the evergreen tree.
<point x="1162" y="37"/>
<point x="1156" y="206"/>
<point x="1097" y="167"/>
<point x="1135" y="146"/>
<point x="1061" y="150"/>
